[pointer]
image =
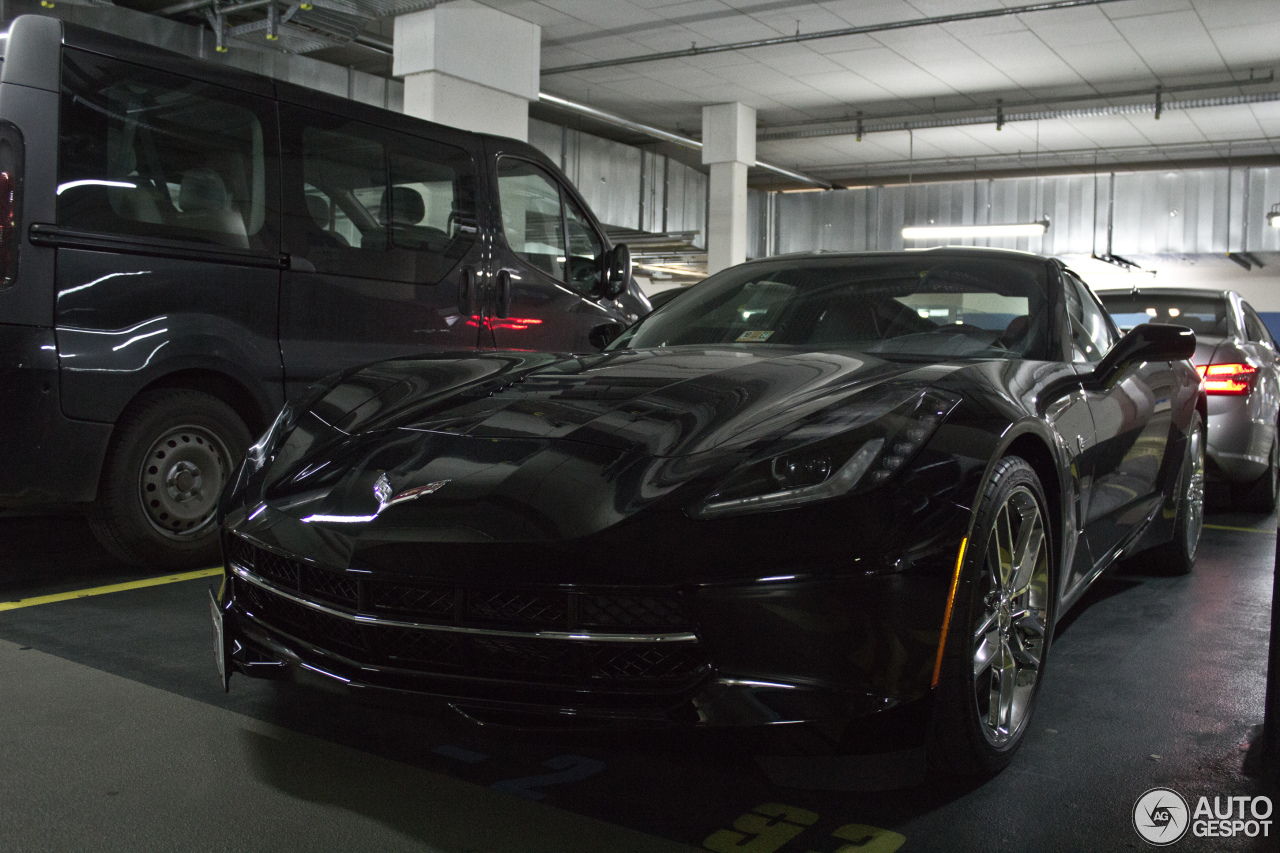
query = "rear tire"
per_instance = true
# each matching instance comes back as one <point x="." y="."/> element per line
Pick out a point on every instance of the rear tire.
<point x="1000" y="630"/>
<point x="172" y="452"/>
<point x="1178" y="555"/>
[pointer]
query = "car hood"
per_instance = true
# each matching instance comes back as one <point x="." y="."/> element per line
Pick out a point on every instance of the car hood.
<point x="662" y="402"/>
<point x="535" y="446"/>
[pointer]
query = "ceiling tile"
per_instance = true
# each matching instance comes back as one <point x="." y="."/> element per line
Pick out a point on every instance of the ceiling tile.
<point x="1175" y="42"/>
<point x="1106" y="62"/>
<point x="1250" y="45"/>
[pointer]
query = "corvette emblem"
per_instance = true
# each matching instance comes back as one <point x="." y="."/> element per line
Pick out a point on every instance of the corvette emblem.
<point x="383" y="492"/>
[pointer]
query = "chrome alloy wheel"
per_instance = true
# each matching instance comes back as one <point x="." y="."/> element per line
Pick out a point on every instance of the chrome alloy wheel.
<point x="1009" y="638"/>
<point x="181" y="477"/>
<point x="1194" y="496"/>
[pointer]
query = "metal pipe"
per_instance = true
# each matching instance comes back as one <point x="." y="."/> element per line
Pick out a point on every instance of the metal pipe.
<point x="865" y="127"/>
<point x="179" y="8"/>
<point x="780" y="131"/>
<point x="826" y="34"/>
<point x="666" y="135"/>
<point x="374" y="43"/>
<point x="193" y="5"/>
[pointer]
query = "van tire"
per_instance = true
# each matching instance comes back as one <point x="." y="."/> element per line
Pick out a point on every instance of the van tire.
<point x="172" y="452"/>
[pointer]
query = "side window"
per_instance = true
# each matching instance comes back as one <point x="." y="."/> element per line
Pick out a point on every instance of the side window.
<point x="378" y="204"/>
<point x="531" y="215"/>
<point x="1091" y="335"/>
<point x="156" y="155"/>
<point x="1255" y="328"/>
<point x="586" y="252"/>
<point x="345" y="177"/>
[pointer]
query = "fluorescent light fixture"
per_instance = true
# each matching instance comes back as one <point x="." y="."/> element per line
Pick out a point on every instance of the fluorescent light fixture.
<point x="1273" y="219"/>
<point x="960" y="232"/>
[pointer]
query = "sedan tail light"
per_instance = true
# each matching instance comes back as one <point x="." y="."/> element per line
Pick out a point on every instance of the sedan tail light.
<point x="1229" y="379"/>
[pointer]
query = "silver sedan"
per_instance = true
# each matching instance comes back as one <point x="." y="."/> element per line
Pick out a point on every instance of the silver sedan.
<point x="1239" y="364"/>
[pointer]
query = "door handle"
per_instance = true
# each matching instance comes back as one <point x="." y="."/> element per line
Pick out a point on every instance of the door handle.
<point x="467" y="291"/>
<point x="502" y="298"/>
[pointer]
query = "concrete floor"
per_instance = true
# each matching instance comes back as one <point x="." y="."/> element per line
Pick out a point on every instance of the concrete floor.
<point x="115" y="735"/>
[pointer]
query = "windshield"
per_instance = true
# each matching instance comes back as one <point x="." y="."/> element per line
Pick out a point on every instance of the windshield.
<point x="911" y="305"/>
<point x="1204" y="315"/>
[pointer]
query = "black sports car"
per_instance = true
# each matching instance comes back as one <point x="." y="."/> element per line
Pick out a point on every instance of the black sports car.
<point x="814" y="489"/>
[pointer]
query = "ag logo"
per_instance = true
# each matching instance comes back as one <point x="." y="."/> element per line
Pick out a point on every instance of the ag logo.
<point x="1160" y="816"/>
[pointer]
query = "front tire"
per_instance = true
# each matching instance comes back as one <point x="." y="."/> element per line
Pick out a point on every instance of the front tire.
<point x="1000" y="629"/>
<point x="172" y="452"/>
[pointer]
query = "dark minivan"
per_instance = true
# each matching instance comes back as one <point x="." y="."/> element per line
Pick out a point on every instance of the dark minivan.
<point x="184" y="245"/>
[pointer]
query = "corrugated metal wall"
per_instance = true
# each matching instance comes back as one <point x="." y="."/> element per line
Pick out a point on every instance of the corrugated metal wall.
<point x="1192" y="211"/>
<point x="626" y="186"/>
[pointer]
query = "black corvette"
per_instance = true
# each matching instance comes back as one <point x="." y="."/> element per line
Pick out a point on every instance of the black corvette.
<point x="815" y="489"/>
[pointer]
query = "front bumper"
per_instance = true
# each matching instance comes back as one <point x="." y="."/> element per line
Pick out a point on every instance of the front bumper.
<point x="829" y="612"/>
<point x="783" y="648"/>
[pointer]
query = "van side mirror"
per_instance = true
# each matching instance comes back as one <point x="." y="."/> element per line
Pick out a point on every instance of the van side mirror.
<point x="1147" y="342"/>
<point x="617" y="271"/>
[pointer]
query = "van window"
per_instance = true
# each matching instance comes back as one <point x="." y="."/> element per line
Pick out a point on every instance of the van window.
<point x="586" y="252"/>
<point x="531" y="216"/>
<point x="383" y="205"/>
<point x="156" y="155"/>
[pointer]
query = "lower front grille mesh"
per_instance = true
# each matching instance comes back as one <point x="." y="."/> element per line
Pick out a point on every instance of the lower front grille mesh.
<point x="667" y="665"/>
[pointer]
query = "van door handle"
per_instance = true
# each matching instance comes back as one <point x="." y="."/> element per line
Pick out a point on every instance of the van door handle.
<point x="502" y="306"/>
<point x="467" y="291"/>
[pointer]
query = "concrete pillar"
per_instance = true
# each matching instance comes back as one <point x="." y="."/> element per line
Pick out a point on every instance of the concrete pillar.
<point x="728" y="147"/>
<point x="469" y="66"/>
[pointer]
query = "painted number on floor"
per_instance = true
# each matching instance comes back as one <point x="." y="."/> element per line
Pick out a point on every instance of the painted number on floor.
<point x="572" y="768"/>
<point x="767" y="828"/>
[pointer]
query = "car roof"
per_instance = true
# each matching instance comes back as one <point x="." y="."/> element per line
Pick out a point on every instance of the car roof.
<point x="979" y="251"/>
<point x="1164" y="291"/>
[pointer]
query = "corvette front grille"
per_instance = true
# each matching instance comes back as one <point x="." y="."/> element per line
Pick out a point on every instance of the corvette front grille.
<point x="517" y="608"/>
<point x="351" y="613"/>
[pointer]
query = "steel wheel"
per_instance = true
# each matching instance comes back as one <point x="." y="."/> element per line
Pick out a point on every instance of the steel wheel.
<point x="1010" y="635"/>
<point x="181" y="477"/>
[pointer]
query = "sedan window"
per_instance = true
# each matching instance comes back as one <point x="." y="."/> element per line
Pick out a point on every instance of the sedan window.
<point x="1204" y="315"/>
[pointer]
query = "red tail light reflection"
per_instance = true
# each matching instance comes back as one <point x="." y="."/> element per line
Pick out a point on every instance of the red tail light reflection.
<point x="506" y="322"/>
<point x="1226" y="379"/>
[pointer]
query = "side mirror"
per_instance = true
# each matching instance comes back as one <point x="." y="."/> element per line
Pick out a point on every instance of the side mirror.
<point x="1147" y="342"/>
<point x="617" y="271"/>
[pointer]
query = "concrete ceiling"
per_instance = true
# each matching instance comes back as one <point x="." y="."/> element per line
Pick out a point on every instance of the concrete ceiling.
<point x="1090" y="54"/>
<point x="1087" y="52"/>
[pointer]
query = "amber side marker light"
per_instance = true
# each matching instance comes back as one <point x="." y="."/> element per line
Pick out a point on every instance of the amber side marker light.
<point x="946" y="617"/>
<point x="1226" y="379"/>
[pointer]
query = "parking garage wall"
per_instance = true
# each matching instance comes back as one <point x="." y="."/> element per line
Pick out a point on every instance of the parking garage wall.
<point x="1191" y="218"/>
<point x="626" y="186"/>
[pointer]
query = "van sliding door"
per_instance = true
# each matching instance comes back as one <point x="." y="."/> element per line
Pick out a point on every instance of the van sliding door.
<point x="381" y="231"/>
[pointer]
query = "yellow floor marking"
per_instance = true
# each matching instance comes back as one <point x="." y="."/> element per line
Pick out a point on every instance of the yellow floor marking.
<point x="104" y="590"/>
<point x="1266" y="530"/>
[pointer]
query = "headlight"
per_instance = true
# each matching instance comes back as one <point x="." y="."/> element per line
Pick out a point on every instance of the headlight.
<point x="877" y="440"/>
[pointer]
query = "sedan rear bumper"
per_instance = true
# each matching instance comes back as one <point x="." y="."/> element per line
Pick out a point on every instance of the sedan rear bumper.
<point x="1240" y="437"/>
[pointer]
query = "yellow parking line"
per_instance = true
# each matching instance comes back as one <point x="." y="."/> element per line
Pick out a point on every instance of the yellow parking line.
<point x="103" y="590"/>
<point x="1267" y="530"/>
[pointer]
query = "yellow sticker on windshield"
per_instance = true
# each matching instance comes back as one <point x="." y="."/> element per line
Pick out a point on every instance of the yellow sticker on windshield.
<point x="753" y="337"/>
